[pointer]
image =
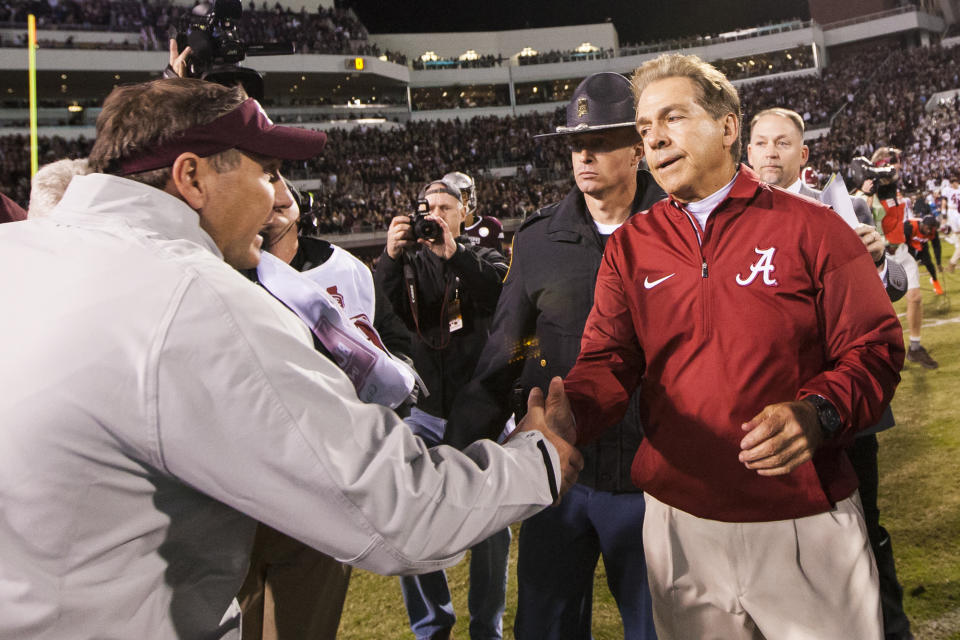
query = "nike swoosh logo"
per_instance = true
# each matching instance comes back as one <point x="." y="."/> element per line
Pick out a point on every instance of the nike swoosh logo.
<point x="648" y="284"/>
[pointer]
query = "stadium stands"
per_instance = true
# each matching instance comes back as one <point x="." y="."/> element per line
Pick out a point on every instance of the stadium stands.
<point x="326" y="31"/>
<point x="371" y="174"/>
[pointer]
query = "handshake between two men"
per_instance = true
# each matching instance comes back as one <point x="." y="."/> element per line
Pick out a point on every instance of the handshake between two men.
<point x="553" y="417"/>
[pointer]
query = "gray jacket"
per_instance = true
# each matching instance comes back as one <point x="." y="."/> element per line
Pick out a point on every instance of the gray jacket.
<point x="155" y="402"/>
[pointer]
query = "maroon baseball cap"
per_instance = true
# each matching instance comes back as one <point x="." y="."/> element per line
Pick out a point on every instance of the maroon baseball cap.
<point x="247" y="128"/>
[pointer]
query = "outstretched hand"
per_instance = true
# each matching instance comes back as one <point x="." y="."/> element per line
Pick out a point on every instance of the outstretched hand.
<point x="553" y="418"/>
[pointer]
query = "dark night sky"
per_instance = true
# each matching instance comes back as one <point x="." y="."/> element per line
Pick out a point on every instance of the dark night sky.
<point x="634" y="20"/>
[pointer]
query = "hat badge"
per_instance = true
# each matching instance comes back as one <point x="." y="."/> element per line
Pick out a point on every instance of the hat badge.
<point x="581" y="107"/>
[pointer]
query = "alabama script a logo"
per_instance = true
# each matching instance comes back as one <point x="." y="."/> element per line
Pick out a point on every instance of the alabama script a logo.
<point x="764" y="265"/>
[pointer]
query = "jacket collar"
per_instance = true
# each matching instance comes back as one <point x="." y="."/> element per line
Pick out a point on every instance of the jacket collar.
<point x="744" y="188"/>
<point x="571" y="218"/>
<point x="107" y="201"/>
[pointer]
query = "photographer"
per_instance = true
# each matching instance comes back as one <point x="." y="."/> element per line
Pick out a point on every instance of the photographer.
<point x="882" y="174"/>
<point x="446" y="289"/>
<point x="455" y="286"/>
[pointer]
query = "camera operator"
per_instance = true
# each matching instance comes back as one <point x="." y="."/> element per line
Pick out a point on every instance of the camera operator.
<point x="446" y="289"/>
<point x="880" y="187"/>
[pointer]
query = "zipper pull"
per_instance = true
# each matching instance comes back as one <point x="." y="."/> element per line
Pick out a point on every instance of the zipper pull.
<point x="703" y="268"/>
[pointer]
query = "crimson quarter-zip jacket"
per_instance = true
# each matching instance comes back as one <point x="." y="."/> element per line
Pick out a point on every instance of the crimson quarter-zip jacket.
<point x="774" y="300"/>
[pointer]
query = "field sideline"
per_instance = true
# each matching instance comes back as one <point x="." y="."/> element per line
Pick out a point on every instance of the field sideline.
<point x="919" y="504"/>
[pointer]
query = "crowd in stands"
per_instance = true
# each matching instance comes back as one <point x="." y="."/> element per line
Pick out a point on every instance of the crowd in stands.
<point x="388" y="167"/>
<point x="888" y="107"/>
<point x="764" y="64"/>
<point x="816" y="97"/>
<point x="750" y="66"/>
<point x="371" y="174"/>
<point x="328" y="30"/>
<point x="15" y="161"/>
<point x="933" y="153"/>
<point x="703" y="40"/>
<point x="564" y="56"/>
<point x="432" y="98"/>
<point x="480" y="62"/>
<point x="747" y="67"/>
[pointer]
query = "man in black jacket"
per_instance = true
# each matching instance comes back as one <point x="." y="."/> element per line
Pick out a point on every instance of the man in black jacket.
<point x="536" y="335"/>
<point x="445" y="289"/>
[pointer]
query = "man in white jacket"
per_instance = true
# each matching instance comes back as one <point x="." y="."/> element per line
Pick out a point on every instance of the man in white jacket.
<point x="154" y="400"/>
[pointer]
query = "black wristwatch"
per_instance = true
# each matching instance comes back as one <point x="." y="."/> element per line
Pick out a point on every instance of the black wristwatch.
<point x="826" y="414"/>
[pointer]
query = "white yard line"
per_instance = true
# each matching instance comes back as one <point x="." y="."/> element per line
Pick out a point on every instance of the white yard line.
<point x="935" y="323"/>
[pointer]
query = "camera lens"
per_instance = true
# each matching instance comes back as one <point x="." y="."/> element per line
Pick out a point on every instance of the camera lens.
<point x="427" y="229"/>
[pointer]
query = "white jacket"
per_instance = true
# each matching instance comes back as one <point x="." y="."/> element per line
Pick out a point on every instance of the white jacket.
<point x="150" y="396"/>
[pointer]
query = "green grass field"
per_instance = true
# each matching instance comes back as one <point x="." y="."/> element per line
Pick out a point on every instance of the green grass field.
<point x="919" y="505"/>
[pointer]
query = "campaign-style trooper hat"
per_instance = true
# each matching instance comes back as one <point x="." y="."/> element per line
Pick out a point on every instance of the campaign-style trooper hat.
<point x="602" y="101"/>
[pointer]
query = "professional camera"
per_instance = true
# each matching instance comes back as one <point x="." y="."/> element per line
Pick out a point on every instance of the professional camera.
<point x="862" y="170"/>
<point x="424" y="227"/>
<point x="214" y="37"/>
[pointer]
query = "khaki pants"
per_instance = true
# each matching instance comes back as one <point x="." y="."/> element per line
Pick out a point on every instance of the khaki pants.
<point x="810" y="578"/>
<point x="292" y="591"/>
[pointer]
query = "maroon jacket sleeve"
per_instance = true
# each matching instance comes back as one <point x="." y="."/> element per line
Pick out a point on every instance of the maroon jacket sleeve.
<point x="610" y="363"/>
<point x="863" y="338"/>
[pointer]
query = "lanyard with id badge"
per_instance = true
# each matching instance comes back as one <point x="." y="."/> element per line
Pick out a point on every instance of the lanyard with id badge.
<point x="454" y="313"/>
<point x="450" y="310"/>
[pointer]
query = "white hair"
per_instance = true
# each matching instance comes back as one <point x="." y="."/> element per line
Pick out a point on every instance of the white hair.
<point x="49" y="184"/>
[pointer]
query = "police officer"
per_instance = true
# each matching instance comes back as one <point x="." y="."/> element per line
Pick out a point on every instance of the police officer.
<point x="536" y="335"/>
